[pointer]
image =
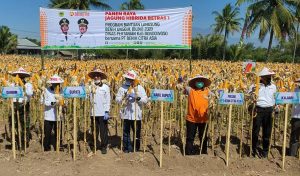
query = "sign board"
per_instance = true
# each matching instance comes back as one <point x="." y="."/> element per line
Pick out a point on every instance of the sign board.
<point x="287" y="98"/>
<point x="162" y="95"/>
<point x="74" y="92"/>
<point x="12" y="92"/>
<point x="134" y="29"/>
<point x="249" y="67"/>
<point x="231" y="98"/>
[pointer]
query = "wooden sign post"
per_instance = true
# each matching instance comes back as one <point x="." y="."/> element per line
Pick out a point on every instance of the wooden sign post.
<point x="230" y="99"/>
<point x="74" y="92"/>
<point x="167" y="96"/>
<point x="286" y="98"/>
<point x="13" y="92"/>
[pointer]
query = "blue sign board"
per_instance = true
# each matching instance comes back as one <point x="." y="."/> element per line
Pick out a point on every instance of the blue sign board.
<point x="12" y="92"/>
<point x="287" y="97"/>
<point x="74" y="92"/>
<point x="231" y="98"/>
<point x="162" y="95"/>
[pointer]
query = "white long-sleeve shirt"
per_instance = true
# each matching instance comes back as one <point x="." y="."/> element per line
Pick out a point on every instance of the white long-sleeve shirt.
<point x="132" y="110"/>
<point x="296" y="107"/>
<point x="49" y="111"/>
<point x="266" y="95"/>
<point x="28" y="93"/>
<point x="101" y="100"/>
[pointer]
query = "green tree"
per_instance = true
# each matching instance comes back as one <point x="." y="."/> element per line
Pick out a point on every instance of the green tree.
<point x="228" y="22"/>
<point x="8" y="41"/>
<point x="78" y="4"/>
<point x="270" y="16"/>
<point x="132" y="5"/>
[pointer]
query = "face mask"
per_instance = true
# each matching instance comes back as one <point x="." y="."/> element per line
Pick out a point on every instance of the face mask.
<point x="127" y="82"/>
<point x="97" y="81"/>
<point x="199" y="85"/>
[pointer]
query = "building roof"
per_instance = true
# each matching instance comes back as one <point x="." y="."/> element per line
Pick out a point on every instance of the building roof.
<point x="26" y="44"/>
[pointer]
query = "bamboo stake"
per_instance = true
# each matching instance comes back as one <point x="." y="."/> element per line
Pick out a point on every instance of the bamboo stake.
<point x="75" y="129"/>
<point x="25" y="125"/>
<point x="242" y="131"/>
<point x="272" y="129"/>
<point x="202" y="139"/>
<point x="57" y="130"/>
<point x="13" y="141"/>
<point x="284" y="135"/>
<point x="94" y="130"/>
<point x="228" y="135"/>
<point x="170" y="126"/>
<point x="85" y="124"/>
<point x="161" y="132"/>
<point x="19" y="126"/>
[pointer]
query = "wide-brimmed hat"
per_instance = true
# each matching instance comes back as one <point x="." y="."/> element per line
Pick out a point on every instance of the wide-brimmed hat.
<point x="206" y="81"/>
<point x="55" y="79"/>
<point x="266" y="72"/>
<point x="21" y="72"/>
<point x="98" y="73"/>
<point x="130" y="75"/>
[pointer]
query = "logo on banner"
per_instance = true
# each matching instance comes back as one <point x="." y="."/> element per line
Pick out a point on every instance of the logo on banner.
<point x="162" y="95"/>
<point x="74" y="92"/>
<point x="287" y="98"/>
<point x="231" y="98"/>
<point x="249" y="67"/>
<point x="12" y="92"/>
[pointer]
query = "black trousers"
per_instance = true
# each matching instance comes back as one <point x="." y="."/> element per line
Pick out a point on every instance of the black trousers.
<point x="191" y="129"/>
<point x="264" y="119"/>
<point x="101" y="126"/>
<point x="295" y="134"/>
<point x="19" y="107"/>
<point x="50" y="126"/>
<point x="129" y="124"/>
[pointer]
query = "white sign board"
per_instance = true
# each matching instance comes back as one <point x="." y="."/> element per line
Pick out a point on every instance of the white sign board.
<point x="12" y="92"/>
<point x="162" y="95"/>
<point x="231" y="98"/>
<point x="287" y="97"/>
<point x="74" y="92"/>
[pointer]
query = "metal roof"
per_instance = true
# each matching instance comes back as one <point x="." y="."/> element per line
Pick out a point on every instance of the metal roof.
<point x="26" y="44"/>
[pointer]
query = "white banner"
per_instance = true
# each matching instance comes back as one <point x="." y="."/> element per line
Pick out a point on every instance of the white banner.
<point x="148" y="29"/>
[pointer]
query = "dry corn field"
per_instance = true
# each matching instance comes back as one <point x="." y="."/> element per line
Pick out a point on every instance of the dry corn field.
<point x="153" y="74"/>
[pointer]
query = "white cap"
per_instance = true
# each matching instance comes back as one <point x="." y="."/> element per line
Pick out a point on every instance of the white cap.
<point x="130" y="75"/>
<point x="265" y="72"/>
<point x="55" y="79"/>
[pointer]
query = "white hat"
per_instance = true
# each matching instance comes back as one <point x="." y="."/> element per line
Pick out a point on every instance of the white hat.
<point x="265" y="72"/>
<point x="55" y="79"/>
<point x="130" y="75"/>
<point x="21" y="72"/>
<point x="205" y="80"/>
<point x="97" y="72"/>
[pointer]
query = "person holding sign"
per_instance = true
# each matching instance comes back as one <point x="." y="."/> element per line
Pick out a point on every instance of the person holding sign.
<point x="265" y="102"/>
<point x="51" y="102"/>
<point x="295" y="125"/>
<point x="22" y="105"/>
<point x="196" y="118"/>
<point x="100" y="99"/>
<point x="132" y="96"/>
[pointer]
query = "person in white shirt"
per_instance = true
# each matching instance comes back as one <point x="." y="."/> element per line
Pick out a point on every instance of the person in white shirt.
<point x="50" y="100"/>
<point x="100" y="101"/>
<point x="295" y="125"/>
<point x="132" y="95"/>
<point x="265" y="102"/>
<point x="19" y="105"/>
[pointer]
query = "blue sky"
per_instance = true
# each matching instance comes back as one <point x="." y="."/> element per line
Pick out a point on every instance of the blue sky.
<point x="22" y="16"/>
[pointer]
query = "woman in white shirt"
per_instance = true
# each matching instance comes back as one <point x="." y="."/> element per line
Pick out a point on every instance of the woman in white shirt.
<point x="133" y="95"/>
<point x="50" y="100"/>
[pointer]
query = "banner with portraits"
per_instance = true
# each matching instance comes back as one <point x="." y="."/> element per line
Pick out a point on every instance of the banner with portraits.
<point x="136" y="29"/>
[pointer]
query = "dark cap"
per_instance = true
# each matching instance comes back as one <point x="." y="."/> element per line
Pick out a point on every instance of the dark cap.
<point x="64" y="21"/>
<point x="83" y="21"/>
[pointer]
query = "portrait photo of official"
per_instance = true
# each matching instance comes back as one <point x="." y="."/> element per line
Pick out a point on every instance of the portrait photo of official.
<point x="64" y="38"/>
<point x="84" y="38"/>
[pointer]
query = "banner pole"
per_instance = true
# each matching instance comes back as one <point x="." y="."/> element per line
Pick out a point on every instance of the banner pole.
<point x="42" y="59"/>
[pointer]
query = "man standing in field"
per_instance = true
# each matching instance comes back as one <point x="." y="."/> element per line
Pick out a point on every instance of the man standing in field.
<point x="265" y="102"/>
<point x="197" y="115"/>
<point x="100" y="101"/>
<point x="131" y="95"/>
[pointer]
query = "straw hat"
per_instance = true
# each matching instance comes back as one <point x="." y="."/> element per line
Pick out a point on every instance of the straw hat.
<point x="130" y="75"/>
<point x="55" y="79"/>
<point x="21" y="72"/>
<point x="265" y="72"/>
<point x="197" y="78"/>
<point x="98" y="73"/>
